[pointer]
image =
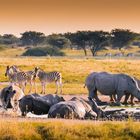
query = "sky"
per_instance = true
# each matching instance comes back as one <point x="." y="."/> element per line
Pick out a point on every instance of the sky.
<point x="59" y="16"/>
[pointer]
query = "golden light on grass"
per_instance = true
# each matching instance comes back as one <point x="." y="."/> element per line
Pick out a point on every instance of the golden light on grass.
<point x="59" y="129"/>
<point x="74" y="71"/>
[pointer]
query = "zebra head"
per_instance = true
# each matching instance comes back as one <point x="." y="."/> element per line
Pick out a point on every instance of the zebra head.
<point x="36" y="70"/>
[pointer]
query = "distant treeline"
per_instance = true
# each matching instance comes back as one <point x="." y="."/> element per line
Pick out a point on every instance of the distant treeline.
<point x="92" y="40"/>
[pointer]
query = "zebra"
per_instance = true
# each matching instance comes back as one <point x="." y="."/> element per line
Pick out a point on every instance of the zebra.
<point x="31" y="75"/>
<point x="16" y="77"/>
<point x="49" y="77"/>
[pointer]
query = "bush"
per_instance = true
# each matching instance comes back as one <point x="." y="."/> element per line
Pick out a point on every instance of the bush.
<point x="3" y="47"/>
<point x="43" y="51"/>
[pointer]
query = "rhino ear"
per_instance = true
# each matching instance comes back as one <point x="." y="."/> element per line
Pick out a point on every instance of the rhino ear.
<point x="62" y="99"/>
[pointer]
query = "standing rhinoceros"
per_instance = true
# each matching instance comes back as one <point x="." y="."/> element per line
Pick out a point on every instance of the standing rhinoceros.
<point x="111" y="85"/>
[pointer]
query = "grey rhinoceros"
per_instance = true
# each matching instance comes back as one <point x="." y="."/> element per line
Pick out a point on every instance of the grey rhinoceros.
<point x="10" y="96"/>
<point x="111" y="85"/>
<point x="38" y="104"/>
<point x="78" y="108"/>
<point x="74" y="108"/>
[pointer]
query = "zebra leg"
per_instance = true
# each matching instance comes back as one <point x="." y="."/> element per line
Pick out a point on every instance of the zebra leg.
<point x="35" y="86"/>
<point x="22" y="86"/>
<point x="43" y="88"/>
<point x="56" y="83"/>
<point x="60" y="85"/>
<point x="31" y="84"/>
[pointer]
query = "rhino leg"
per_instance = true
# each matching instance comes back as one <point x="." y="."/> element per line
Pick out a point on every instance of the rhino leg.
<point x="96" y="97"/>
<point x="93" y="94"/>
<point x="111" y="98"/>
<point x="119" y="97"/>
<point x="126" y="98"/>
<point x="114" y="96"/>
<point x="131" y="100"/>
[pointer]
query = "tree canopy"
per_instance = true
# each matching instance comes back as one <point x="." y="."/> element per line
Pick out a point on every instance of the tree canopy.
<point x="97" y="40"/>
<point x="32" y="38"/>
<point x="59" y="41"/>
<point x="8" y="39"/>
<point x="122" y="37"/>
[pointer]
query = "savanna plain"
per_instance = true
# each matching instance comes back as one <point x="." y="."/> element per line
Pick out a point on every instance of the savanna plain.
<point x="74" y="71"/>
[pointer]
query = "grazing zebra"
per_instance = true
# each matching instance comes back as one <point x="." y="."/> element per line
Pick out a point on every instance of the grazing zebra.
<point x="30" y="76"/>
<point x="16" y="77"/>
<point x="49" y="77"/>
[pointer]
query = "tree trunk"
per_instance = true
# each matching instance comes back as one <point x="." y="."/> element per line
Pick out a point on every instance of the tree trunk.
<point x="85" y="51"/>
<point x="93" y="51"/>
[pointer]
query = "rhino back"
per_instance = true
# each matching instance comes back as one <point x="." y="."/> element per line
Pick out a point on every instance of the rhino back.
<point x="52" y="99"/>
<point x="105" y="83"/>
<point x="40" y="106"/>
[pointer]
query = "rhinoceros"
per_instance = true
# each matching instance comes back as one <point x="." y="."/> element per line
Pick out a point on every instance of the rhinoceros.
<point x="78" y="108"/>
<point x="10" y="96"/>
<point x="111" y="85"/>
<point x="75" y="108"/>
<point x="38" y="104"/>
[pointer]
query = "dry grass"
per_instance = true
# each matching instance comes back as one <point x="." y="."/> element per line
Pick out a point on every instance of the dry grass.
<point x="74" y="71"/>
<point x="53" y="129"/>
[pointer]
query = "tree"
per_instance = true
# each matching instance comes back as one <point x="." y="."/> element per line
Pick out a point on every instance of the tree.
<point x="121" y="38"/>
<point x="9" y="39"/>
<point x="79" y="38"/>
<point x="32" y="38"/>
<point x="58" y="41"/>
<point x="97" y="40"/>
<point x="71" y="37"/>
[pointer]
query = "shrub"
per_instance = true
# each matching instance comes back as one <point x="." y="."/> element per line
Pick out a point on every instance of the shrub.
<point x="2" y="47"/>
<point x="43" y="51"/>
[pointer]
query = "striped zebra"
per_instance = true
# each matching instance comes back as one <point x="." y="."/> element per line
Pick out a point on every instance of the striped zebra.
<point x="49" y="77"/>
<point x="16" y="77"/>
<point x="29" y="76"/>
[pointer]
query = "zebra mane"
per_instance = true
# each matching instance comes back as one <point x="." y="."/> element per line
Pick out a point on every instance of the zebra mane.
<point x="136" y="83"/>
<point x="41" y="70"/>
<point x="15" y="68"/>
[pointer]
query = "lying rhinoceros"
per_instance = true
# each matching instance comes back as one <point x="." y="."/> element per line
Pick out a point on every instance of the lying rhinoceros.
<point x="10" y="97"/>
<point x="38" y="104"/>
<point x="78" y="108"/>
